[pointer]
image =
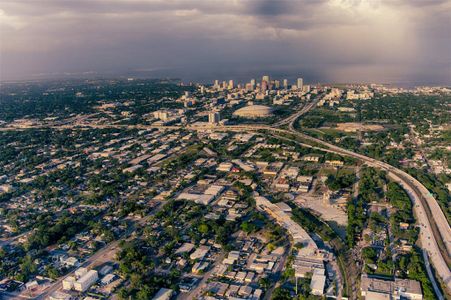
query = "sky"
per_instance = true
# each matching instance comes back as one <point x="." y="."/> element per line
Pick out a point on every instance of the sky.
<point x="381" y="41"/>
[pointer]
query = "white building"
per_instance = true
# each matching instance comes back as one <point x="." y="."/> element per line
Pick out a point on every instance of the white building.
<point x="285" y="83"/>
<point x="375" y="288"/>
<point x="68" y="283"/>
<point x="108" y="279"/>
<point x="300" y="83"/>
<point x="84" y="282"/>
<point x="298" y="234"/>
<point x="224" y="167"/>
<point x="318" y="283"/>
<point x="80" y="272"/>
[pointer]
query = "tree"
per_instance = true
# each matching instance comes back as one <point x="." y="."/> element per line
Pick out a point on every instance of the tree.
<point x="123" y="293"/>
<point x="270" y="246"/>
<point x="27" y="267"/>
<point x="264" y="282"/>
<point x="52" y="272"/>
<point x="369" y="254"/>
<point x="144" y="293"/>
<point x="203" y="228"/>
<point x="72" y="245"/>
<point x="281" y="294"/>
<point x="288" y="273"/>
<point x="247" y="227"/>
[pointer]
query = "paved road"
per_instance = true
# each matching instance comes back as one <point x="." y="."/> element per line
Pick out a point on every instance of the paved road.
<point x="291" y="119"/>
<point x="438" y="293"/>
<point x="427" y="238"/>
<point x="12" y="240"/>
<point x="278" y="273"/>
<point x="90" y="261"/>
<point x="201" y="286"/>
<point x="357" y="182"/>
<point x="107" y="251"/>
<point x="421" y="197"/>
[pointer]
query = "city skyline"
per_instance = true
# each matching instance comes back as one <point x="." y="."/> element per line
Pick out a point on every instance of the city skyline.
<point x="401" y="42"/>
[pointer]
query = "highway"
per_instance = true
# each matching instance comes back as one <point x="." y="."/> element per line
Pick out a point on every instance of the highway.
<point x="429" y="271"/>
<point x="435" y="232"/>
<point x="427" y="238"/>
<point x="426" y="209"/>
<point x="291" y="119"/>
<point x="422" y="200"/>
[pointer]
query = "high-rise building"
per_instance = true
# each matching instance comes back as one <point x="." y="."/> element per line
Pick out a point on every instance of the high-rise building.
<point x="264" y="86"/>
<point x="277" y="84"/>
<point x="214" y="117"/>
<point x="216" y="83"/>
<point x="266" y="78"/>
<point x="300" y="83"/>
<point x="231" y="84"/>
<point x="252" y="84"/>
<point x="285" y="83"/>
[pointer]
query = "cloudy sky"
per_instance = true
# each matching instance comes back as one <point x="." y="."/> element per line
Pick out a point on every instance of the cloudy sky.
<point x="398" y="41"/>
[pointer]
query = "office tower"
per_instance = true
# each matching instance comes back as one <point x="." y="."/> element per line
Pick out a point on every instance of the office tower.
<point x="285" y="83"/>
<point x="300" y="83"/>
<point x="264" y="86"/>
<point x="266" y="78"/>
<point x="224" y="84"/>
<point x="230" y="84"/>
<point x="277" y="84"/>
<point x="214" y="117"/>
<point x="253" y="83"/>
<point x="216" y="83"/>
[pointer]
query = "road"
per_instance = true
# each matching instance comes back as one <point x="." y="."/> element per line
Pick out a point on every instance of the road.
<point x="357" y="182"/>
<point x="429" y="271"/>
<point x="278" y="272"/>
<point x="434" y="229"/>
<point x="14" y="239"/>
<point x="422" y="200"/>
<point x="107" y="251"/>
<point x="201" y="286"/>
<point x="292" y="119"/>
<point x="420" y="196"/>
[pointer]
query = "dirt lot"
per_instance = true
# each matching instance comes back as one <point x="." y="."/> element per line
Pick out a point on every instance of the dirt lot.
<point x="354" y="127"/>
<point x="328" y="212"/>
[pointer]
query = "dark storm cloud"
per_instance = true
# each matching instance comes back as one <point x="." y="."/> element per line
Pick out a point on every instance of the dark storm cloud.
<point x="272" y="7"/>
<point x="329" y="40"/>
